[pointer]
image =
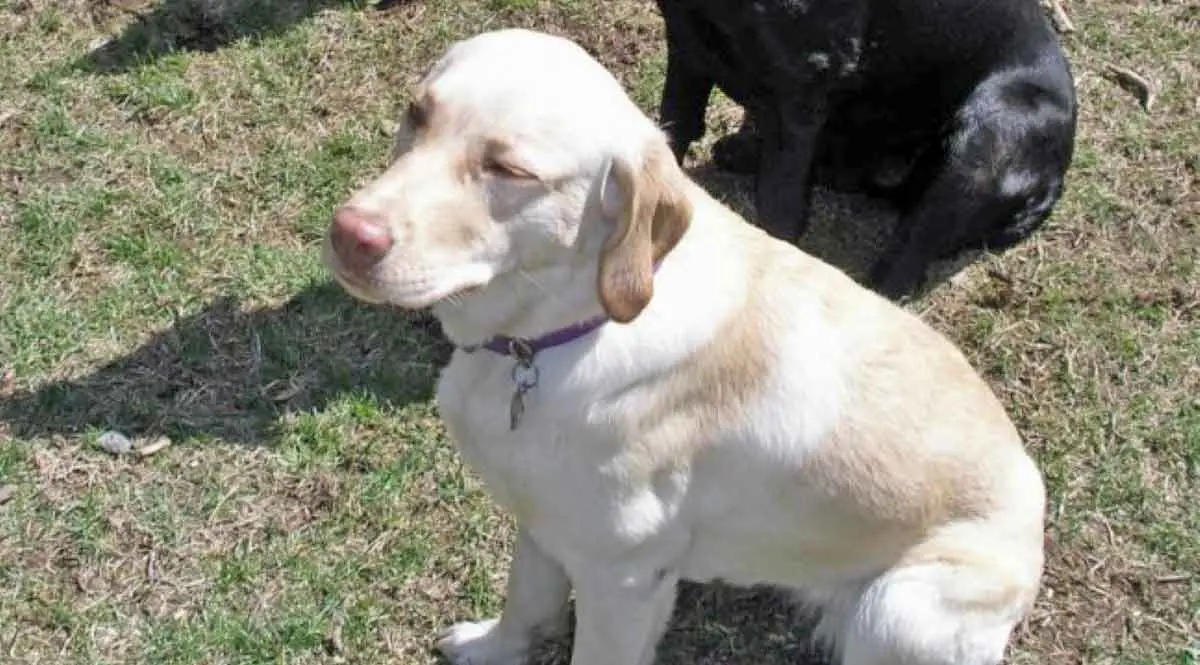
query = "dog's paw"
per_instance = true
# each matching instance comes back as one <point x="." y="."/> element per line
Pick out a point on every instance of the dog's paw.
<point x="480" y="643"/>
<point x="737" y="153"/>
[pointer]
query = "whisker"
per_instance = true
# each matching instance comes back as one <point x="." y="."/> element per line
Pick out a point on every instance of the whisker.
<point x="536" y="283"/>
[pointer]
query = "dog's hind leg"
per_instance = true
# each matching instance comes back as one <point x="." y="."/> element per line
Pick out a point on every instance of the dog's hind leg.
<point x="954" y="610"/>
<point x="993" y="182"/>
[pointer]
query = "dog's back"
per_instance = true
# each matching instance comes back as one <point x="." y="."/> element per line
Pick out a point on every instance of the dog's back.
<point x="765" y="49"/>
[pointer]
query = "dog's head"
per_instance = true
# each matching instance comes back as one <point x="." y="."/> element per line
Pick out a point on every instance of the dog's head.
<point x="518" y="154"/>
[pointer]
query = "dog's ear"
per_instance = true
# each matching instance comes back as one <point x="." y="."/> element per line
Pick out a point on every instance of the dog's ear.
<point x="649" y="201"/>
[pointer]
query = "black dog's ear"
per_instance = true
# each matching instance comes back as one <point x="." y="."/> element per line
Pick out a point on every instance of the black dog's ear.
<point x="650" y="203"/>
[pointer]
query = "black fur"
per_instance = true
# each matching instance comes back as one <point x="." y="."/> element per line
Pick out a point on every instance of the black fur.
<point x="962" y="112"/>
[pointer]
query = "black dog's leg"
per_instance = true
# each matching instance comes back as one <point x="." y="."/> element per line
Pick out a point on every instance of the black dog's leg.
<point x="929" y="231"/>
<point x="789" y="137"/>
<point x="995" y="181"/>
<point x="741" y="151"/>
<point x="684" y="100"/>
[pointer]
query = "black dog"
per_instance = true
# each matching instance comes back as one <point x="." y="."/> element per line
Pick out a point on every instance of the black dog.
<point x="962" y="112"/>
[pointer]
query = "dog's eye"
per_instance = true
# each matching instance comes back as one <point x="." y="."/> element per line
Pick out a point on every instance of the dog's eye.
<point x="503" y="169"/>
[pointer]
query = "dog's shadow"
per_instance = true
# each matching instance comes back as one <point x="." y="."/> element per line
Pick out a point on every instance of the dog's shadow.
<point x="205" y="25"/>
<point x="848" y="230"/>
<point x="230" y="374"/>
<point x="716" y="624"/>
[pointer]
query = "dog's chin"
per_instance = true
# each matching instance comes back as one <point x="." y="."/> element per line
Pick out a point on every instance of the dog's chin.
<point x="423" y="299"/>
<point x="416" y="297"/>
<point x="453" y="286"/>
<point x="356" y="290"/>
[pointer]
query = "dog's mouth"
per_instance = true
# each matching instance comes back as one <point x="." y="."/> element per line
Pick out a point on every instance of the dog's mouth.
<point x="421" y="298"/>
<point x="451" y="286"/>
<point x="408" y="296"/>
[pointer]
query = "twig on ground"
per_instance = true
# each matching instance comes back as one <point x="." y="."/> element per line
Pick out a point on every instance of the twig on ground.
<point x="1058" y="16"/>
<point x="1134" y="82"/>
<point x="1172" y="579"/>
<point x="153" y="447"/>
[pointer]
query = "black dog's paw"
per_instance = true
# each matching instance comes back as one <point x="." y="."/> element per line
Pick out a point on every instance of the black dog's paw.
<point x="899" y="280"/>
<point x="679" y="150"/>
<point x="737" y="153"/>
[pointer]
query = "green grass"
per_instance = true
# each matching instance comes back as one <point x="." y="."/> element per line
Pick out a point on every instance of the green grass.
<point x="163" y="188"/>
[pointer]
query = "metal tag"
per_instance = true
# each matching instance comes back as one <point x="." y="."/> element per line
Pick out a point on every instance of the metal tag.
<point x="516" y="409"/>
<point x="524" y="378"/>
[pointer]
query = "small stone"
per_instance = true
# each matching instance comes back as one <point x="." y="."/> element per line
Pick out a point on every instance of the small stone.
<point x="6" y="494"/>
<point x="114" y="443"/>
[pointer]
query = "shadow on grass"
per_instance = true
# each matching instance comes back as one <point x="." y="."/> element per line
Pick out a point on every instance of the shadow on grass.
<point x="207" y="25"/>
<point x="718" y="624"/>
<point x="228" y="374"/>
<point x="848" y="230"/>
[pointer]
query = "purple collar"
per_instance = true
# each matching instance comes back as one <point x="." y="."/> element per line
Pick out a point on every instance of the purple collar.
<point x="527" y="348"/>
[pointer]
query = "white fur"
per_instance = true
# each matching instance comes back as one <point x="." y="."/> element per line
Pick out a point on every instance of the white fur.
<point x="620" y="513"/>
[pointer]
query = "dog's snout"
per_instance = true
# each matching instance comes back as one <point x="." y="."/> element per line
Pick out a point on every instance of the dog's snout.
<point x="360" y="238"/>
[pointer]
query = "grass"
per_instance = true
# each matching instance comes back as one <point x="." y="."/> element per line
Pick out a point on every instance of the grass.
<point x="166" y="175"/>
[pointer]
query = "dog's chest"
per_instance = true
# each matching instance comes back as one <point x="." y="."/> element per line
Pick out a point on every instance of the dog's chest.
<point x="544" y="463"/>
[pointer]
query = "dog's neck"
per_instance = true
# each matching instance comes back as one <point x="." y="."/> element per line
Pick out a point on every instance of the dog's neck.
<point x="524" y="305"/>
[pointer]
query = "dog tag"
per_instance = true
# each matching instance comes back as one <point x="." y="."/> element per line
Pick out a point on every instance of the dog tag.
<point x="516" y="408"/>
<point x="524" y="378"/>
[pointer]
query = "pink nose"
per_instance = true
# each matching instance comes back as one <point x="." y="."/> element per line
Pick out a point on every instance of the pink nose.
<point x="359" y="238"/>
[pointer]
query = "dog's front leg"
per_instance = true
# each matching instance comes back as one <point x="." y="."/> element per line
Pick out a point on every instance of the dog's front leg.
<point x="788" y="135"/>
<point x="686" y="89"/>
<point x="620" y="616"/>
<point x="535" y="606"/>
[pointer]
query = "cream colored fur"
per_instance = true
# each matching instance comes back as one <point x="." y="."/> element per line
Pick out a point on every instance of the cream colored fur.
<point x="751" y="414"/>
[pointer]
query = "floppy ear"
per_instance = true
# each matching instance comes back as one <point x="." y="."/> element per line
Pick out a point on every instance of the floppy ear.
<point x="653" y="212"/>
